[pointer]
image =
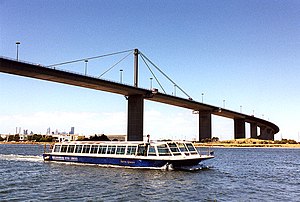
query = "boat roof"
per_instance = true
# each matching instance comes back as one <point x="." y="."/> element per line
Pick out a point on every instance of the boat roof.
<point x="121" y="142"/>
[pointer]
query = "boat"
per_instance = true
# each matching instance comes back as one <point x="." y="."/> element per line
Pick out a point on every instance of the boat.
<point x="166" y="155"/>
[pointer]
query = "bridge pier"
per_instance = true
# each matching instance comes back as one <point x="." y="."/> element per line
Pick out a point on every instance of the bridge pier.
<point x="271" y="134"/>
<point x="266" y="133"/>
<point x="239" y="128"/>
<point x="135" y="122"/>
<point x="263" y="133"/>
<point x="204" y="125"/>
<point x="253" y="130"/>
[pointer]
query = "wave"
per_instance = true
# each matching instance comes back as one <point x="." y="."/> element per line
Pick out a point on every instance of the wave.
<point x="16" y="157"/>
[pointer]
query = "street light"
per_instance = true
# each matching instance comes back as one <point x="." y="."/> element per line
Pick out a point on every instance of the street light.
<point x="18" y="43"/>
<point x="241" y="108"/>
<point x="151" y="83"/>
<point x="224" y="104"/>
<point x="174" y="89"/>
<point x="202" y="97"/>
<point x="85" y="70"/>
<point x="121" y="75"/>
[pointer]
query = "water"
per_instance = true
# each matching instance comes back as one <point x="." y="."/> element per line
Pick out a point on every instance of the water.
<point x="237" y="174"/>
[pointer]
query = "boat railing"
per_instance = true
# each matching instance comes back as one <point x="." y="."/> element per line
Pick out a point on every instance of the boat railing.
<point x="204" y="150"/>
<point x="48" y="148"/>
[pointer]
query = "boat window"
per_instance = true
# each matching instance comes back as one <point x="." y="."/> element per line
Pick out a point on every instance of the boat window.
<point x="131" y="150"/>
<point x="111" y="149"/>
<point x="71" y="148"/>
<point x="64" y="148"/>
<point x="142" y="150"/>
<point x="163" y="150"/>
<point x="174" y="149"/>
<point x="94" y="149"/>
<point x="56" y="148"/>
<point x="78" y="148"/>
<point x="86" y="149"/>
<point x="183" y="148"/>
<point x="121" y="149"/>
<point x="191" y="148"/>
<point x="151" y="151"/>
<point x="102" y="149"/>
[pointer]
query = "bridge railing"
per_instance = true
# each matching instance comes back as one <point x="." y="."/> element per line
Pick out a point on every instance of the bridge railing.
<point x="67" y="71"/>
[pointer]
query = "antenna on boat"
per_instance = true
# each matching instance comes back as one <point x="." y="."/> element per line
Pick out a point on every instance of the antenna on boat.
<point x="148" y="140"/>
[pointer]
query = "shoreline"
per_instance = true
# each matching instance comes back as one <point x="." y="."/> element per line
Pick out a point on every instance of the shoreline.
<point x="216" y="145"/>
<point x="284" y="146"/>
<point x="26" y="142"/>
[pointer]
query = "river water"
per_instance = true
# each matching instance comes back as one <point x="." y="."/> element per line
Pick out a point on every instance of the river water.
<point x="236" y="174"/>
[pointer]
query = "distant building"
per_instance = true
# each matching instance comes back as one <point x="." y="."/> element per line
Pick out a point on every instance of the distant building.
<point x="66" y="137"/>
<point x="48" y="131"/>
<point x="72" y="132"/>
<point x="117" y="137"/>
<point x="23" y="137"/>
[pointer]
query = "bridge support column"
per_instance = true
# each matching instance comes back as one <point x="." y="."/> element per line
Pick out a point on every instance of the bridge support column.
<point x="271" y="135"/>
<point x="204" y="125"/>
<point x="253" y="130"/>
<point x="239" y="128"/>
<point x="135" y="122"/>
<point x="266" y="133"/>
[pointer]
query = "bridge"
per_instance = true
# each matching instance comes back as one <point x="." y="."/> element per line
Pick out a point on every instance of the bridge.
<point x="136" y="97"/>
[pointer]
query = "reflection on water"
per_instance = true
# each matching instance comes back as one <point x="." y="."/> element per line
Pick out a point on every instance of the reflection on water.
<point x="247" y="174"/>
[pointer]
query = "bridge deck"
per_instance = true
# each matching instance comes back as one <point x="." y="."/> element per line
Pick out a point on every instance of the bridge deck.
<point x="51" y="74"/>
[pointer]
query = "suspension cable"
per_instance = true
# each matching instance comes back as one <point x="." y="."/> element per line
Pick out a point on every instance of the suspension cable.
<point x="114" y="65"/>
<point x="166" y="76"/>
<point x="153" y="74"/>
<point x="90" y="58"/>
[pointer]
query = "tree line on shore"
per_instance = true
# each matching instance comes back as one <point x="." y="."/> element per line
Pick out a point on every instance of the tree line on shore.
<point x="49" y="138"/>
<point x="246" y="141"/>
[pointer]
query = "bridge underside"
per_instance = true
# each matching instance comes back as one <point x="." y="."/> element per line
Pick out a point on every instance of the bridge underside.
<point x="205" y="128"/>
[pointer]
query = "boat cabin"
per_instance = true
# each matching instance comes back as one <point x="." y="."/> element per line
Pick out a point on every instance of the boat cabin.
<point x="127" y="148"/>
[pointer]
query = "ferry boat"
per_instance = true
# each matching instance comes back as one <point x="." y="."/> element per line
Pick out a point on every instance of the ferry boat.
<point x="167" y="155"/>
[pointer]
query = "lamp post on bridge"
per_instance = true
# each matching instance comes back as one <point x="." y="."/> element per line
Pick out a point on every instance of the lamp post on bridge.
<point x="174" y="89"/>
<point x="85" y="69"/>
<point x="151" y="83"/>
<point x="121" y="75"/>
<point x="17" y="44"/>
<point x="202" y="97"/>
<point x="224" y="104"/>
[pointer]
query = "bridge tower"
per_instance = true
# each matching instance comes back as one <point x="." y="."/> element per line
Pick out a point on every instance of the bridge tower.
<point x="135" y="122"/>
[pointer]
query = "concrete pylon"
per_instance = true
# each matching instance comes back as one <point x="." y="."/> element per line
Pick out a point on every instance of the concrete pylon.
<point x="253" y="130"/>
<point x="271" y="135"/>
<point x="266" y="133"/>
<point x="135" y="120"/>
<point x="263" y="133"/>
<point x="204" y="125"/>
<point x="239" y="128"/>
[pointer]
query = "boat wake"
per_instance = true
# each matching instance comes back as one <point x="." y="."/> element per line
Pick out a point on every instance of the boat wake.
<point x="195" y="167"/>
<point x="15" y="157"/>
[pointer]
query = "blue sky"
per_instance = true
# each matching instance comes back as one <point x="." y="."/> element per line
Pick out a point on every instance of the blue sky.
<point x="244" y="52"/>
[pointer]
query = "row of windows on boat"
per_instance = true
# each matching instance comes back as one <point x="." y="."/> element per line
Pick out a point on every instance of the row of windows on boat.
<point x="140" y="150"/>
